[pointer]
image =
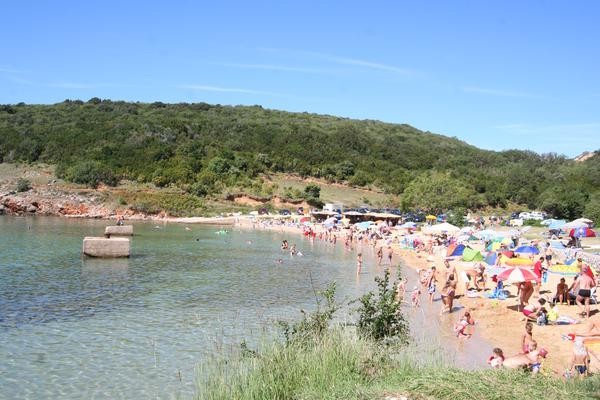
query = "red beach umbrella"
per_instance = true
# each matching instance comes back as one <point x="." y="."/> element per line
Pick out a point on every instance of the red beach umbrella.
<point x="517" y="274"/>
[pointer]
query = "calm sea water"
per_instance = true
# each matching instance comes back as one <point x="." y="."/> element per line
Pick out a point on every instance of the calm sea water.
<point x="74" y="327"/>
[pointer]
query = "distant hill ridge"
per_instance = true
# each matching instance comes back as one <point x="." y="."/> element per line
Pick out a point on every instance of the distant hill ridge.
<point x="585" y="156"/>
<point x="211" y="149"/>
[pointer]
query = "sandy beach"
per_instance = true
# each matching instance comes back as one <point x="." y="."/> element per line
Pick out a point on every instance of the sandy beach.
<point x="497" y="321"/>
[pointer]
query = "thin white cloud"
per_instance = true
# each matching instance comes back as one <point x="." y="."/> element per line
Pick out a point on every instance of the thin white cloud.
<point x="63" y="85"/>
<point x="285" y="68"/>
<point x="498" y="92"/>
<point x="8" y="70"/>
<point x="370" y="65"/>
<point x="570" y="139"/>
<point x="546" y="129"/>
<point x="206" y="88"/>
<point x="76" y="85"/>
<point x="563" y="135"/>
<point x="356" y="62"/>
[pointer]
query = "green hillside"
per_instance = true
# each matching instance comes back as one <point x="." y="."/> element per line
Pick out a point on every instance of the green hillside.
<point x="209" y="149"/>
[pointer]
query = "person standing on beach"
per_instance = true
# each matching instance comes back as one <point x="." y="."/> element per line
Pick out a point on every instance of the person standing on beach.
<point x="584" y="287"/>
<point x="390" y="254"/>
<point x="548" y="254"/>
<point x="449" y="270"/>
<point x="538" y="269"/>
<point x="524" y="291"/>
<point x="379" y="255"/>
<point x="359" y="262"/>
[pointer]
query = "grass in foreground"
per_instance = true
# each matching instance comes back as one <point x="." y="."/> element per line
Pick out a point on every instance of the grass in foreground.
<point x="340" y="366"/>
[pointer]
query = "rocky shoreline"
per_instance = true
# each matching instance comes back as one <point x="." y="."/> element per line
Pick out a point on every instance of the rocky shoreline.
<point x="61" y="203"/>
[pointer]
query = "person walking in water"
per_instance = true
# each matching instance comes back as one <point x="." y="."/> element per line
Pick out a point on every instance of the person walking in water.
<point x="359" y="262"/>
<point x="431" y="280"/>
<point x="379" y="255"/>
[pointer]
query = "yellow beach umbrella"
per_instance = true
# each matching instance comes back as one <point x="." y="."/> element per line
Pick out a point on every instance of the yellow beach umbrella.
<point x="519" y="262"/>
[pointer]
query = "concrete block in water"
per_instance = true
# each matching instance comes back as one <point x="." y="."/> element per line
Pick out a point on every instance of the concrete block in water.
<point x="103" y="247"/>
<point x="119" y="230"/>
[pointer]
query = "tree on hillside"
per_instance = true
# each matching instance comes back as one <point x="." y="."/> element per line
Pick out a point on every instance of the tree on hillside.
<point x="439" y="191"/>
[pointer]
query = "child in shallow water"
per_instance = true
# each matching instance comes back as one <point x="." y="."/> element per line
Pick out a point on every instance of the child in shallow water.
<point x="461" y="326"/>
<point x="415" y="297"/>
<point x="497" y="358"/>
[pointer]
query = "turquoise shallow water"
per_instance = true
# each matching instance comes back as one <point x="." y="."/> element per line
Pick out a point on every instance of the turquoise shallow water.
<point x="74" y="327"/>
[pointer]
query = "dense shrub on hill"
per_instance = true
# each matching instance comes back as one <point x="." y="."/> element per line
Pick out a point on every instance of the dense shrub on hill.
<point x="206" y="149"/>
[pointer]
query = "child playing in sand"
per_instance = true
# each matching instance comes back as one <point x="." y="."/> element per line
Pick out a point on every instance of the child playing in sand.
<point x="461" y="326"/>
<point x="536" y="356"/>
<point x="580" y="360"/>
<point x="497" y="358"/>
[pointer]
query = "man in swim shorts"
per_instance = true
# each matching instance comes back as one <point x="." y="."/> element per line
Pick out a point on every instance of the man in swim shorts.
<point x="584" y="287"/>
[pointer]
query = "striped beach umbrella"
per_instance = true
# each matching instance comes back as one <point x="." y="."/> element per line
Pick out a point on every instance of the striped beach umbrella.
<point x="517" y="274"/>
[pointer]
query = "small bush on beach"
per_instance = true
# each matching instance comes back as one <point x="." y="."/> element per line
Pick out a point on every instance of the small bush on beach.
<point x="312" y="326"/>
<point x="379" y="314"/>
<point x="23" y="185"/>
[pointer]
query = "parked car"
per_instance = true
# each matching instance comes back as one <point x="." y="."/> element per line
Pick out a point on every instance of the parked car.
<point x="300" y="211"/>
<point x="525" y="215"/>
<point x="537" y="215"/>
<point x="285" y="212"/>
<point x="363" y="210"/>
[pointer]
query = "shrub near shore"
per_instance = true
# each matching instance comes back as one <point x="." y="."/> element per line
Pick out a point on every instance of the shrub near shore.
<point x="321" y="361"/>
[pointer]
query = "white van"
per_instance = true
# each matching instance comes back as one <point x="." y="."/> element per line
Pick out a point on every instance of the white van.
<point x="537" y="215"/>
<point x="525" y="215"/>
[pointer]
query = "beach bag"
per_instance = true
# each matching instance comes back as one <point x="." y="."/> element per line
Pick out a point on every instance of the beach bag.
<point x="542" y="320"/>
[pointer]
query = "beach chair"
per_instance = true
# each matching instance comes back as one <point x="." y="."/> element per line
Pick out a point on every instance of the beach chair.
<point x="593" y="295"/>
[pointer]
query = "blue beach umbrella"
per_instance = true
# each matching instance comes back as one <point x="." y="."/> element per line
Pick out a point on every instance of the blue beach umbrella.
<point x="491" y="258"/>
<point x="362" y="226"/>
<point x="527" y="249"/>
<point x="557" y="224"/>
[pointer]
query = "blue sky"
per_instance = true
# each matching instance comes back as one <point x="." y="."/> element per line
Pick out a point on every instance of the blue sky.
<point x="504" y="74"/>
